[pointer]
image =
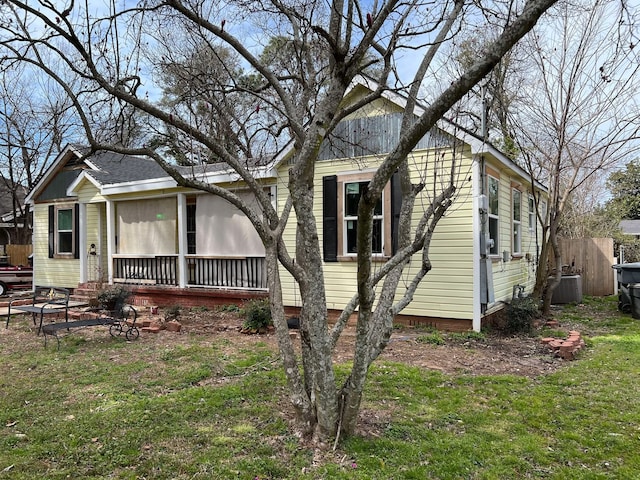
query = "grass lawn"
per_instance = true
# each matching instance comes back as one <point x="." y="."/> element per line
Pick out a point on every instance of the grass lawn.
<point x="103" y="408"/>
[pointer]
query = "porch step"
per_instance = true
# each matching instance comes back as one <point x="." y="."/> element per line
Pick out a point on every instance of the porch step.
<point x="86" y="292"/>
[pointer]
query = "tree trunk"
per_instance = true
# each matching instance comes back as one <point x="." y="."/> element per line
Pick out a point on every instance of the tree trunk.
<point x="557" y="255"/>
<point x="316" y="343"/>
<point x="298" y="396"/>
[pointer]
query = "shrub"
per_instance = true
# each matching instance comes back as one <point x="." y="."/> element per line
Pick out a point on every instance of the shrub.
<point x="521" y="313"/>
<point x="113" y="297"/>
<point x="230" y="307"/>
<point x="257" y="314"/>
<point x="433" y="338"/>
<point x="172" y="313"/>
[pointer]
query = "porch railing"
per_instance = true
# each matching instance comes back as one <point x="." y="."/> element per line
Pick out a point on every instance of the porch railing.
<point x="241" y="272"/>
<point x="221" y="272"/>
<point x="146" y="269"/>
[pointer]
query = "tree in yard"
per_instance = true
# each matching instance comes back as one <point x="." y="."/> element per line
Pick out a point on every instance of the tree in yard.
<point x="624" y="187"/>
<point x="581" y="118"/>
<point x="623" y="204"/>
<point x="34" y="122"/>
<point x="289" y="96"/>
<point x="486" y="110"/>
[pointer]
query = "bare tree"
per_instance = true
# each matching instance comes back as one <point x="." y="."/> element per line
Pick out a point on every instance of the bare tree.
<point x="581" y="116"/>
<point x="35" y="120"/>
<point x="297" y="103"/>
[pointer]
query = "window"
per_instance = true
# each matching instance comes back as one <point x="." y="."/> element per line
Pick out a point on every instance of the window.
<point x="191" y="228"/>
<point x="532" y="214"/>
<point x="494" y="218"/>
<point x="340" y="197"/>
<point x="352" y="193"/>
<point x="63" y="226"/>
<point x="516" y="198"/>
<point x="65" y="231"/>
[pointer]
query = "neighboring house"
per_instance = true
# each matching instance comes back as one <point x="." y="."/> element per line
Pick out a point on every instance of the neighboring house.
<point x="11" y="222"/>
<point x="122" y="219"/>
<point x="630" y="227"/>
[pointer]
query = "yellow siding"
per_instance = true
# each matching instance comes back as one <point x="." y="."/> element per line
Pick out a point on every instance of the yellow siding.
<point x="379" y="106"/>
<point x="96" y="229"/>
<point x="88" y="193"/>
<point x="446" y="291"/>
<point x="520" y="269"/>
<point x="59" y="272"/>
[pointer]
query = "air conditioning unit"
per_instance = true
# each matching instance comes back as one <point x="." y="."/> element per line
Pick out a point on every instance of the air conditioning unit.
<point x="569" y="290"/>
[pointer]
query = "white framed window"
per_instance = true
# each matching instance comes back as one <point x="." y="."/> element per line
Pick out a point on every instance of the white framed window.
<point x="351" y="196"/>
<point x="516" y="221"/>
<point x="532" y="214"/>
<point x="64" y="231"/>
<point x="493" y="190"/>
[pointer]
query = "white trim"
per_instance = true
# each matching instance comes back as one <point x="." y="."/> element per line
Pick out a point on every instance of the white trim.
<point x="82" y="239"/>
<point x="35" y="191"/>
<point x="167" y="182"/>
<point x="493" y="216"/>
<point x="83" y="175"/>
<point x="182" y="240"/>
<point x="137" y="186"/>
<point x="516" y="246"/>
<point x="111" y="239"/>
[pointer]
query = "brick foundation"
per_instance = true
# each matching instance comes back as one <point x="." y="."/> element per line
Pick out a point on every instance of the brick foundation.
<point x="146" y="296"/>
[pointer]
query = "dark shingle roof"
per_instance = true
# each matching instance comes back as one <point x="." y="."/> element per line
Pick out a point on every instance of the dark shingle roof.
<point x="630" y="227"/>
<point x="116" y="168"/>
<point x="6" y="198"/>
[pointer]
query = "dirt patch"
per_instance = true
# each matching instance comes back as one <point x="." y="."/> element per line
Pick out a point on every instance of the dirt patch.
<point x="491" y="355"/>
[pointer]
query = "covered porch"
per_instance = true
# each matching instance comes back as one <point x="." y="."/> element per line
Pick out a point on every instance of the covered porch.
<point x="181" y="240"/>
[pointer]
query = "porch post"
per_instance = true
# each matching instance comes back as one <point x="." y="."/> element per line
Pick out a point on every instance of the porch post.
<point x="182" y="240"/>
<point x="82" y="241"/>
<point x="111" y="238"/>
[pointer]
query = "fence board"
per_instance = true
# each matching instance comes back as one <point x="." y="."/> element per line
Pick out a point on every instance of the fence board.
<point x="19" y="254"/>
<point x="593" y="257"/>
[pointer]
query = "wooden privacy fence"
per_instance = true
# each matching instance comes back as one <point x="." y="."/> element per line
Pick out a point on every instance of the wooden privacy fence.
<point x="593" y="257"/>
<point x="19" y="254"/>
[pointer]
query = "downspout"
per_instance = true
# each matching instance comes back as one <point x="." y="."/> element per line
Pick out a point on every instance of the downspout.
<point x="479" y="255"/>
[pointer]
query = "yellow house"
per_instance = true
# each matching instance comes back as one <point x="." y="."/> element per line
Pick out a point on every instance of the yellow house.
<point x="119" y="219"/>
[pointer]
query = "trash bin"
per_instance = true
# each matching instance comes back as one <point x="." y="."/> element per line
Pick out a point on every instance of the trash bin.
<point x="628" y="273"/>
<point x="634" y="293"/>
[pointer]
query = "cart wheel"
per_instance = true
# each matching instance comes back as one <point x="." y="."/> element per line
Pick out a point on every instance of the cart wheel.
<point x="132" y="334"/>
<point x="626" y="308"/>
<point x="115" y="330"/>
<point x="620" y="306"/>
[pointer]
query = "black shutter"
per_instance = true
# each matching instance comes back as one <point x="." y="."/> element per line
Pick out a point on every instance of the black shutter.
<point x="52" y="230"/>
<point x="330" y="218"/>
<point x="76" y="231"/>
<point x="396" y="203"/>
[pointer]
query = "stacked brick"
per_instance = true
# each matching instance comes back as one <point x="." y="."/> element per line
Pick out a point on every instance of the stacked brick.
<point x="565" y="348"/>
<point x="153" y="326"/>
